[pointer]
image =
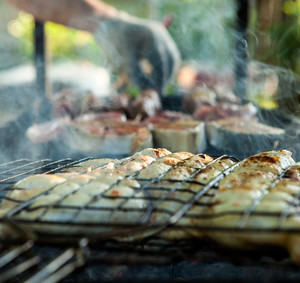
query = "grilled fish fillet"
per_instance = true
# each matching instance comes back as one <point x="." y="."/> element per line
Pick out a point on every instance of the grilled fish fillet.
<point x="113" y="192"/>
<point x="167" y="194"/>
<point x="252" y="197"/>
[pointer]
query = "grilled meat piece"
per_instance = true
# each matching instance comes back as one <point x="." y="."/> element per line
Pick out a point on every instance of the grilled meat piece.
<point x="48" y="131"/>
<point x="225" y="110"/>
<point x="147" y="104"/>
<point x="201" y="96"/>
<point x="73" y="103"/>
<point x="100" y="137"/>
<point x="167" y="116"/>
<point x="245" y="137"/>
<point x="144" y="106"/>
<point x="180" y="135"/>
<point x="226" y="95"/>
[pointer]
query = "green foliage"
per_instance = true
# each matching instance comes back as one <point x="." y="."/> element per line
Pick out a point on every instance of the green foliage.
<point x="72" y="44"/>
<point x="292" y="7"/>
<point x="285" y="46"/>
<point x="22" y="29"/>
<point x="133" y="90"/>
<point x="202" y="29"/>
<point x="62" y="42"/>
<point x="171" y="89"/>
<point x="284" y="39"/>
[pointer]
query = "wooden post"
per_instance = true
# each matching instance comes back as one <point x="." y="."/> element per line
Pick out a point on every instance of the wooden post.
<point x="270" y="12"/>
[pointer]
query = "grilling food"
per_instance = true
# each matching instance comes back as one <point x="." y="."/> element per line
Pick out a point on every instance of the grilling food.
<point x="180" y="135"/>
<point x="48" y="131"/>
<point x="95" y="134"/>
<point x="242" y="136"/>
<point x="225" y="110"/>
<point x="172" y="195"/>
<point x="101" y="136"/>
<point x="145" y="104"/>
<point x="131" y="121"/>
<point x="202" y="96"/>
<point x="252" y="196"/>
<point x="168" y="116"/>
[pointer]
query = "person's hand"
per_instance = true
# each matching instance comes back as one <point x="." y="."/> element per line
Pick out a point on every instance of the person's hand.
<point x="127" y="41"/>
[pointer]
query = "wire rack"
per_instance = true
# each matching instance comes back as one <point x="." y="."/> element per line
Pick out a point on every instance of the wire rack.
<point x="164" y="188"/>
<point x="21" y="256"/>
<point x="22" y="168"/>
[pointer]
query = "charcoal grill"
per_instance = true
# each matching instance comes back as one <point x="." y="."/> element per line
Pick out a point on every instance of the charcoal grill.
<point x="59" y="256"/>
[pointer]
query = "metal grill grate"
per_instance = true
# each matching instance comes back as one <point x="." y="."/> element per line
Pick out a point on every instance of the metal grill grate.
<point x="12" y="172"/>
<point x="25" y="258"/>
<point x="35" y="263"/>
<point x="23" y="168"/>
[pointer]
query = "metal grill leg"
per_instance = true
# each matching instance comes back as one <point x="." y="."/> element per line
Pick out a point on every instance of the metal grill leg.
<point x="41" y="74"/>
<point x="241" y="48"/>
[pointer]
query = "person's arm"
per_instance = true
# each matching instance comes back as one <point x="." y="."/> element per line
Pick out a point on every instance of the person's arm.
<point x="79" y="14"/>
<point x="126" y="40"/>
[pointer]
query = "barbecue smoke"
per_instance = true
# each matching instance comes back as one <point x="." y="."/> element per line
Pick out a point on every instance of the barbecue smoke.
<point x="16" y="116"/>
<point x="205" y="32"/>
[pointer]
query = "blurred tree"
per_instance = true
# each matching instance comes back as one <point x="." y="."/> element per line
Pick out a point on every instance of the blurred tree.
<point x="278" y="29"/>
<point x="62" y="42"/>
<point x="202" y="30"/>
<point x="65" y="43"/>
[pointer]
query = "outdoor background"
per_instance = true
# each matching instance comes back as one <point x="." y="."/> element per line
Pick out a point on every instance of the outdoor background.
<point x="204" y="31"/>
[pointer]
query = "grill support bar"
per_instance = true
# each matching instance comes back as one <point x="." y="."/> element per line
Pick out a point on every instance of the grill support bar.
<point x="41" y="71"/>
<point x="241" y="51"/>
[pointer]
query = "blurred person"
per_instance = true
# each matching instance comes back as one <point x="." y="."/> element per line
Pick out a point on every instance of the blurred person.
<point x="125" y="40"/>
